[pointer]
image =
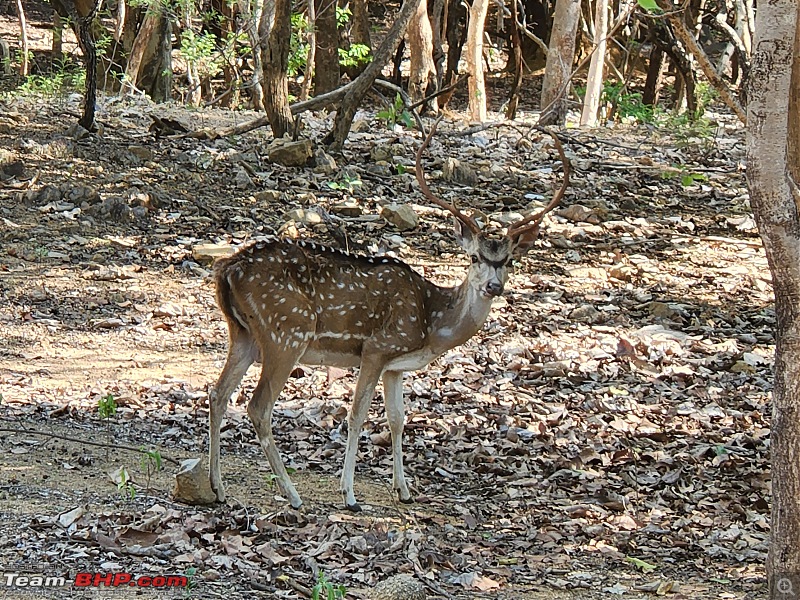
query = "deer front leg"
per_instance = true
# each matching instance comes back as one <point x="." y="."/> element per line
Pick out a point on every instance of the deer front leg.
<point x="241" y="355"/>
<point x="395" y="415"/>
<point x="274" y="374"/>
<point x="365" y="389"/>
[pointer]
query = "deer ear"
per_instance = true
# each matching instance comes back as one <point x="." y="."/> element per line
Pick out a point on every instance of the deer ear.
<point x="464" y="235"/>
<point x="524" y="242"/>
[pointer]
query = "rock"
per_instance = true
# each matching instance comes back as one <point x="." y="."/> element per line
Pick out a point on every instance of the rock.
<point x="114" y="208"/>
<point x="44" y="195"/>
<point x="6" y="156"/>
<point x="142" y="152"/>
<point x="381" y="152"/>
<point x="458" y="172"/>
<point x="401" y="216"/>
<point x="623" y="272"/>
<point x="12" y="169"/>
<point x="207" y="253"/>
<point x="192" y="485"/>
<point x="242" y="179"/>
<point x="303" y="215"/>
<point x="399" y="587"/>
<point x="268" y="196"/>
<point x="78" y="133"/>
<point x="324" y="162"/>
<point x="349" y="208"/>
<point x="586" y="313"/>
<point x="579" y="214"/>
<point x="290" y="154"/>
<point x="360" y="125"/>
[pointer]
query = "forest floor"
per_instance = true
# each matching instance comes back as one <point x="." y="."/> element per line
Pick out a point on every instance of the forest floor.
<point x="605" y="435"/>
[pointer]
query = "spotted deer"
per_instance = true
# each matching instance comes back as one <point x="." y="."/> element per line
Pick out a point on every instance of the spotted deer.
<point x="289" y="302"/>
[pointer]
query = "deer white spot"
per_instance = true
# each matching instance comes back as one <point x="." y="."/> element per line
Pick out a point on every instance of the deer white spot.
<point x="283" y="318"/>
<point x="412" y="318"/>
<point x="250" y="279"/>
<point x="281" y="300"/>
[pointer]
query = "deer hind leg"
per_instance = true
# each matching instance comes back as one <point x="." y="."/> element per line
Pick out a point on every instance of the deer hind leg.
<point x="278" y="364"/>
<point x="365" y="388"/>
<point x="242" y="352"/>
<point x="395" y="415"/>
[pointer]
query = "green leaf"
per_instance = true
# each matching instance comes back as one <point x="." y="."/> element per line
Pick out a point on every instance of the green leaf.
<point x="645" y="566"/>
<point x="649" y="6"/>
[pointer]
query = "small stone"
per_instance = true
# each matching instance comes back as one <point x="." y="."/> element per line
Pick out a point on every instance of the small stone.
<point x="77" y="132"/>
<point x="207" y="253"/>
<point x="399" y="587"/>
<point x="303" y="215"/>
<point x="290" y="154"/>
<point x="349" y="208"/>
<point x="458" y="172"/>
<point x="586" y="313"/>
<point x="242" y="179"/>
<point x="579" y="214"/>
<point x="192" y="485"/>
<point x="324" y="162"/>
<point x="268" y="196"/>
<point x="141" y="152"/>
<point x="623" y="272"/>
<point x="381" y="152"/>
<point x="401" y="216"/>
<point x="360" y="125"/>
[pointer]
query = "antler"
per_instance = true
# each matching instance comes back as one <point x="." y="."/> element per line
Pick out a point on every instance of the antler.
<point x="423" y="185"/>
<point x="533" y="221"/>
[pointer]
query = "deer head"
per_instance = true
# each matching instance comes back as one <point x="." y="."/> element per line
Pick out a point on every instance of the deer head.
<point x="492" y="256"/>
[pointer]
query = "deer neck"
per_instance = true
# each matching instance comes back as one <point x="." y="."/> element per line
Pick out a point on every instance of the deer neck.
<point x="463" y="311"/>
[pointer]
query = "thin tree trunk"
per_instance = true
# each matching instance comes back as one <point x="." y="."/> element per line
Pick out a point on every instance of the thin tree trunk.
<point x="655" y="77"/>
<point x="23" y="29"/>
<point x="560" y="56"/>
<point x="58" y="38"/>
<point x="138" y="53"/>
<point x="476" y="83"/>
<point x="455" y="26"/>
<point x="326" y="69"/>
<point x="516" y="45"/>
<point x="360" y="31"/>
<point x="311" y="40"/>
<point x="420" y="41"/>
<point x="251" y="15"/>
<point x="276" y="62"/>
<point x="438" y="47"/>
<point x="594" y="82"/>
<point x="362" y="84"/>
<point x="776" y="212"/>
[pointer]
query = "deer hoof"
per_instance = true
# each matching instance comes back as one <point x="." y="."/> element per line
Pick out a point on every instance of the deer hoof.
<point x="409" y="500"/>
<point x="356" y="508"/>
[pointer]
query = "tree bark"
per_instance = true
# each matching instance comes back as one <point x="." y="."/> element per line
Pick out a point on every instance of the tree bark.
<point x="360" y="30"/>
<point x="58" y="38"/>
<point x="356" y="92"/>
<point x="23" y="30"/>
<point x="560" y="56"/>
<point x="422" y="74"/>
<point x="276" y="63"/>
<point x="326" y="67"/>
<point x="516" y="55"/>
<point x="773" y="199"/>
<point x="594" y="81"/>
<point x="476" y="83"/>
<point x="251" y="15"/>
<point x="655" y="77"/>
<point x="455" y="25"/>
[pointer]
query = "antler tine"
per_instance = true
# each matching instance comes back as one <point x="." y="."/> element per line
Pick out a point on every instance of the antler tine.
<point x="533" y="221"/>
<point x="423" y="185"/>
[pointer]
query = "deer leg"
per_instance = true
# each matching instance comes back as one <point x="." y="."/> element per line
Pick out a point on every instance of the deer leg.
<point x="395" y="414"/>
<point x="241" y="354"/>
<point x="275" y="370"/>
<point x="365" y="388"/>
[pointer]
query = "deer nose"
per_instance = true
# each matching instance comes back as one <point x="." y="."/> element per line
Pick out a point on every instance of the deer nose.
<point x="494" y="289"/>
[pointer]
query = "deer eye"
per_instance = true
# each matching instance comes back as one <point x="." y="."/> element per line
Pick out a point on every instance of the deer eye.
<point x="474" y="258"/>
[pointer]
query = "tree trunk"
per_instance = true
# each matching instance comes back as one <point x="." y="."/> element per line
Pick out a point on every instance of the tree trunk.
<point x="776" y="212"/>
<point x="276" y="62"/>
<point x="57" y="54"/>
<point x="516" y="55"/>
<point x="23" y="29"/>
<point x="360" y="31"/>
<point x="560" y="56"/>
<point x="438" y="47"/>
<point x="360" y="87"/>
<point x="455" y="25"/>
<point x="251" y="16"/>
<point x="144" y="52"/>
<point x="326" y="69"/>
<point x="476" y="83"/>
<point x="422" y="73"/>
<point x="655" y="77"/>
<point x="594" y="82"/>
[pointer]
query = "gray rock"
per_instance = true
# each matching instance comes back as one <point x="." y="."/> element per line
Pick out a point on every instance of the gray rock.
<point x="349" y="208"/>
<point x="401" y="216"/>
<point x="268" y="196"/>
<point x="242" y="179"/>
<point x="458" y="172"/>
<point x="142" y="152"/>
<point x="399" y="587"/>
<point x="290" y="154"/>
<point x="192" y="485"/>
<point x="325" y="163"/>
<point x="381" y="152"/>
<point x="586" y="313"/>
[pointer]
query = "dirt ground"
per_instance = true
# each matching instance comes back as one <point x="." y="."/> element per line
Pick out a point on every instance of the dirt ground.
<point x="605" y="435"/>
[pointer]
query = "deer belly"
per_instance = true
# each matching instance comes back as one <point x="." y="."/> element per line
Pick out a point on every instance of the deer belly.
<point x="412" y="361"/>
<point x="333" y="351"/>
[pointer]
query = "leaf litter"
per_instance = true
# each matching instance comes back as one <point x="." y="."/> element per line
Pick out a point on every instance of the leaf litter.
<point x="606" y="433"/>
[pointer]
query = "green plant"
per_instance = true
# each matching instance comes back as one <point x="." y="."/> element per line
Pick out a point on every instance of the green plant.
<point x="106" y="408"/>
<point x="325" y="590"/>
<point x="125" y="484"/>
<point x="396" y="113"/>
<point x="298" y="47"/>
<point x="191" y="583"/>
<point x="626" y="104"/>
<point x="354" y="56"/>
<point x="150" y="462"/>
<point x="201" y="49"/>
<point x="346" y="183"/>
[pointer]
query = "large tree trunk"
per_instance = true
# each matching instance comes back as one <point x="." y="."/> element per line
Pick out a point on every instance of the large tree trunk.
<point x="422" y="75"/>
<point x="149" y="67"/>
<point x="326" y="68"/>
<point x="476" y="84"/>
<point x="360" y="87"/>
<point x="560" y="56"/>
<point x="594" y="82"/>
<point x="276" y="62"/>
<point x="777" y="215"/>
